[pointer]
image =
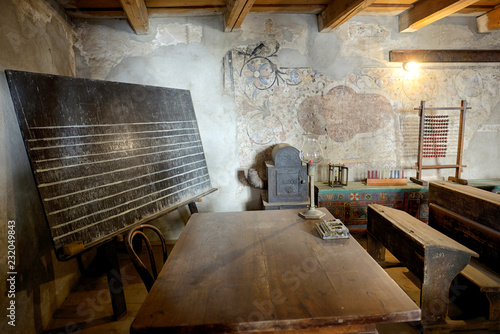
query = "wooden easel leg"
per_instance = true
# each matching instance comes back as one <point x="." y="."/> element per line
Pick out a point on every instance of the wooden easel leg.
<point x="461" y="134"/>
<point x="82" y="268"/>
<point x="419" y="181"/>
<point x="192" y="207"/>
<point x="115" y="284"/>
<point x="457" y="180"/>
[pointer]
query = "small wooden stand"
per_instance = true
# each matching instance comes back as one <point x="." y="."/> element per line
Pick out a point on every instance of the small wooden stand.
<point x="338" y="175"/>
<point x="458" y="166"/>
<point x="386" y="182"/>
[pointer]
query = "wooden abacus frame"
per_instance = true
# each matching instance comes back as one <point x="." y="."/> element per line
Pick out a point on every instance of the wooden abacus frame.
<point x="458" y="166"/>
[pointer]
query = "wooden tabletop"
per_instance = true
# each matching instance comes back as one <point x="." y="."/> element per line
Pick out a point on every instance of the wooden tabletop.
<point x="265" y="271"/>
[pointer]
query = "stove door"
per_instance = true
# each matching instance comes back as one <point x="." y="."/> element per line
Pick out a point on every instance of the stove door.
<point x="288" y="185"/>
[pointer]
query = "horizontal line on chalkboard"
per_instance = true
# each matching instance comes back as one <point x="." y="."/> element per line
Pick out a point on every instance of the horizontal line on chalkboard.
<point x="126" y="203"/>
<point x="125" y="191"/>
<point x="107" y="142"/>
<point x="118" y="151"/>
<point x="115" y="159"/>
<point x="115" y="171"/>
<point x="133" y="209"/>
<point x="99" y="125"/>
<point x="108" y="134"/>
<point x="118" y="182"/>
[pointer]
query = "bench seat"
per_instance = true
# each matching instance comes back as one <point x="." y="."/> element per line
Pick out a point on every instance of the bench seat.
<point x="488" y="282"/>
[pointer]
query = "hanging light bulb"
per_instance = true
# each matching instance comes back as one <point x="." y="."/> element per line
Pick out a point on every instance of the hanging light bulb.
<point x="410" y="66"/>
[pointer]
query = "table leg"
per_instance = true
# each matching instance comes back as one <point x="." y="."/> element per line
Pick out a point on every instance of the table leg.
<point x="375" y="248"/>
<point x="494" y="299"/>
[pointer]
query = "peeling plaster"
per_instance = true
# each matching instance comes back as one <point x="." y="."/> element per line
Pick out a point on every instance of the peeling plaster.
<point x="288" y="33"/>
<point x="489" y="128"/>
<point x="359" y="30"/>
<point x="176" y="33"/>
<point x="35" y="23"/>
<point x="26" y="11"/>
<point x="103" y="47"/>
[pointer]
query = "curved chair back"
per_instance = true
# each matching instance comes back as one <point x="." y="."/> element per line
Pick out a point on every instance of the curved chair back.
<point x="148" y="276"/>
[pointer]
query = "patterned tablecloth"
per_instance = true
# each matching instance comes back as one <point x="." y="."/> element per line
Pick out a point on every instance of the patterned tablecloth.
<point x="349" y="203"/>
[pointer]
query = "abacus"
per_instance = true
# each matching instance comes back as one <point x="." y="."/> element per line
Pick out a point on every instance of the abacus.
<point x="434" y="140"/>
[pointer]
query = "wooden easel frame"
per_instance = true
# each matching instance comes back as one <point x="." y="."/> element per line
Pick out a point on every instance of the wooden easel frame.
<point x="458" y="166"/>
<point x="75" y="123"/>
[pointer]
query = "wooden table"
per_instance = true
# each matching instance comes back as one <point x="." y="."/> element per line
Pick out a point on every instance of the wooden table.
<point x="265" y="271"/>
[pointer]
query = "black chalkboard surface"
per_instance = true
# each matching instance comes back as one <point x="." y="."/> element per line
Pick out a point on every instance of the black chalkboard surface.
<point x="106" y="155"/>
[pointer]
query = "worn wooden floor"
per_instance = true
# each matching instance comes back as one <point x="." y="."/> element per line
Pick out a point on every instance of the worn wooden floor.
<point x="88" y="308"/>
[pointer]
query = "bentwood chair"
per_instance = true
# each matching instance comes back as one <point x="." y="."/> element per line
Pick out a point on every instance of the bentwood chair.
<point x="147" y="276"/>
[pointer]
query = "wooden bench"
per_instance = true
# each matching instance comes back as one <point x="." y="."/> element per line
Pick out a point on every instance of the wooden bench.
<point x="471" y="216"/>
<point x="488" y="282"/>
<point x="429" y="254"/>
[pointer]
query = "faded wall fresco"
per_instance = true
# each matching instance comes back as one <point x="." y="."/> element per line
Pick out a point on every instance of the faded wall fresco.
<point x="282" y="78"/>
<point x="367" y="121"/>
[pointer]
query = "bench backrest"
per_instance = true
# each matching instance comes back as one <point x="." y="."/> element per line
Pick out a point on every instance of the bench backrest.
<point x="470" y="216"/>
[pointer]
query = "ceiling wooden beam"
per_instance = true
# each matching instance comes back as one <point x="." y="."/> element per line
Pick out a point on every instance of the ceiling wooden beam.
<point x="489" y="21"/>
<point x="425" y="12"/>
<point x="339" y="12"/>
<point x="385" y="9"/>
<point x="182" y="3"/>
<point x="475" y="10"/>
<point x="137" y="15"/>
<point x="101" y="14"/>
<point x="183" y="12"/>
<point x="444" y="56"/>
<point x="235" y="13"/>
<point x="302" y="9"/>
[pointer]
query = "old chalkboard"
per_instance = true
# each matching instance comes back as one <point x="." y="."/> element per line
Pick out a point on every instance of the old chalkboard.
<point x="107" y="155"/>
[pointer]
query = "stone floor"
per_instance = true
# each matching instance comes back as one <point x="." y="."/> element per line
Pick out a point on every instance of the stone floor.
<point x="88" y="309"/>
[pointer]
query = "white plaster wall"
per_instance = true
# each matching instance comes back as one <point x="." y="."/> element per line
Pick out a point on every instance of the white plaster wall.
<point x="34" y="37"/>
<point x="189" y="53"/>
<point x="186" y="54"/>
